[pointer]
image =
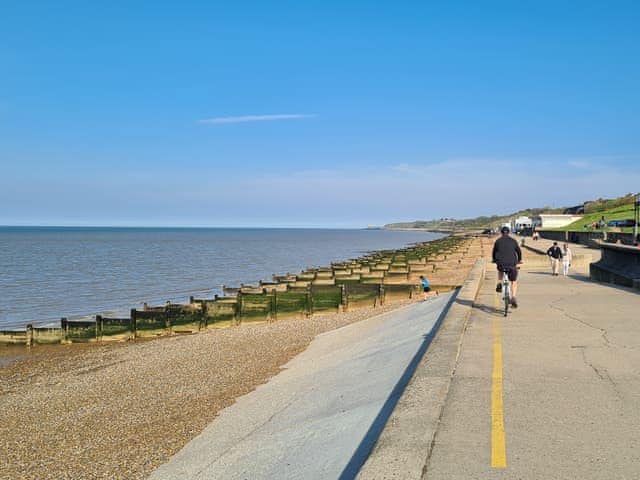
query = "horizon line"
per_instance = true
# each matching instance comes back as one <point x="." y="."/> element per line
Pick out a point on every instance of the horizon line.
<point x="308" y="227"/>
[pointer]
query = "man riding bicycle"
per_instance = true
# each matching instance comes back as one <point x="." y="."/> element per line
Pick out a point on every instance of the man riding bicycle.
<point x="507" y="255"/>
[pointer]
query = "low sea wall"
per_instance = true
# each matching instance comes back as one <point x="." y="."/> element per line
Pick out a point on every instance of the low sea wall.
<point x="578" y="259"/>
<point x="589" y="238"/>
<point x="619" y="264"/>
<point x="369" y="281"/>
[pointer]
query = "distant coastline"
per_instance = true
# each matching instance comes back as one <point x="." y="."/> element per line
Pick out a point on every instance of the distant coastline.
<point x="403" y="228"/>
<point x="420" y="229"/>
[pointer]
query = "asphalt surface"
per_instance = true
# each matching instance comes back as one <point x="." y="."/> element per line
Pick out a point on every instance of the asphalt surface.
<point x="320" y="417"/>
<point x="569" y="382"/>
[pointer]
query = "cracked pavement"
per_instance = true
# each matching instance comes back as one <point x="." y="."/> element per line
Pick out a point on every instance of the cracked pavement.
<point x="571" y="382"/>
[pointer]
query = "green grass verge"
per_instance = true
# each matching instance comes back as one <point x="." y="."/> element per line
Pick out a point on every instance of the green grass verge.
<point x="618" y="213"/>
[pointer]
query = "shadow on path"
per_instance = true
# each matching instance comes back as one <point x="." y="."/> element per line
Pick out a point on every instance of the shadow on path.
<point x="465" y="303"/>
<point x="488" y="308"/>
<point x="363" y="451"/>
<point x="587" y="279"/>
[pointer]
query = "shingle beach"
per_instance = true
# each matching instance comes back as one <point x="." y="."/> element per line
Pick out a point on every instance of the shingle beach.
<point x="117" y="411"/>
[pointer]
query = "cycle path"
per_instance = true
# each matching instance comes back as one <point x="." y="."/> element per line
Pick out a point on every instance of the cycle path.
<point x="550" y="392"/>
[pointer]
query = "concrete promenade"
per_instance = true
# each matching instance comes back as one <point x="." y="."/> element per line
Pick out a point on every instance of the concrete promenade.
<point x="550" y="392"/>
<point x="321" y="415"/>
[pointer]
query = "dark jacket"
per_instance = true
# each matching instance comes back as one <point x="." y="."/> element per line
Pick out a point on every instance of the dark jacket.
<point x="506" y="251"/>
<point x="554" y="251"/>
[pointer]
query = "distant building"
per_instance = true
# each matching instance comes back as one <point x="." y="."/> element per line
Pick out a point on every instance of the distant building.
<point x="553" y="220"/>
<point x="522" y="223"/>
<point x="536" y="222"/>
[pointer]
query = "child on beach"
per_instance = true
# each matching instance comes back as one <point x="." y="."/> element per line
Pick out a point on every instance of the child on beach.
<point x="425" y="287"/>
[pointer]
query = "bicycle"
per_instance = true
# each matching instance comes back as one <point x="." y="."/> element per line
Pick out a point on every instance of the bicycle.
<point x="506" y="290"/>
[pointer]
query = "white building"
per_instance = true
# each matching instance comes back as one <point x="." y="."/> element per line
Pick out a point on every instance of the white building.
<point x="521" y="223"/>
<point x="554" y="220"/>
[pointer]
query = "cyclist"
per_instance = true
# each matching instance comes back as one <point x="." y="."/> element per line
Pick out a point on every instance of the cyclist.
<point x="507" y="255"/>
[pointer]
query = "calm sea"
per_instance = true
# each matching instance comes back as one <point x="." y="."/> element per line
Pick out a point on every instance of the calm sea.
<point x="49" y="272"/>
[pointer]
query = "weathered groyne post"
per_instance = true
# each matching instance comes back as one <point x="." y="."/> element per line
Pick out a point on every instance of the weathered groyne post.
<point x="29" y="335"/>
<point x="134" y="323"/>
<point x="64" y="327"/>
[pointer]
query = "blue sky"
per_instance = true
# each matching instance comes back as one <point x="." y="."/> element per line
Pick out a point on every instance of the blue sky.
<point x="313" y="113"/>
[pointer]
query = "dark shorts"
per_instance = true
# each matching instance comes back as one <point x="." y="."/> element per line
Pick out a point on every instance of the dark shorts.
<point x="512" y="271"/>
<point x="426" y="289"/>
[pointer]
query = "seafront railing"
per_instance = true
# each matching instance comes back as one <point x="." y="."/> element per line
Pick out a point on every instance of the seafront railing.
<point x="369" y="281"/>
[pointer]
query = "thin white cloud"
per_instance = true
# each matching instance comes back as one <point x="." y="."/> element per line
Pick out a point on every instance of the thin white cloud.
<point x="257" y="118"/>
<point x="401" y="167"/>
<point x="332" y="195"/>
<point x="578" y="164"/>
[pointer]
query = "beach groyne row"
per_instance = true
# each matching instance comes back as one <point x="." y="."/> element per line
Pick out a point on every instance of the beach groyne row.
<point x="368" y="281"/>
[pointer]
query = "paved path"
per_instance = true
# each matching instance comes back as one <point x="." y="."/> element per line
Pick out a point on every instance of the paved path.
<point x="319" y="417"/>
<point x="581" y="251"/>
<point x="550" y="392"/>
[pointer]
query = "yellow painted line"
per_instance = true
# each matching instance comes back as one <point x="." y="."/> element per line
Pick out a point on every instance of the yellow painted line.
<point x="498" y="444"/>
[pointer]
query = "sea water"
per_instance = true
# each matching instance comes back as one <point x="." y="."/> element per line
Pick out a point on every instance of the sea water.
<point x="52" y="272"/>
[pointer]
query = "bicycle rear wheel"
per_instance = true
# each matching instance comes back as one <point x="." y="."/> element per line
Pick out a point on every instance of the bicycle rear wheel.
<point x="507" y="298"/>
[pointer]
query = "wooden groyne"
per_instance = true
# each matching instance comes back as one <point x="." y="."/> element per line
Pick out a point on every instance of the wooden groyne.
<point x="368" y="281"/>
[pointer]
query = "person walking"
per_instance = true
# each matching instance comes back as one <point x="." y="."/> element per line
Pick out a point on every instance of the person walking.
<point x="566" y="259"/>
<point x="555" y="255"/>
<point x="507" y="256"/>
